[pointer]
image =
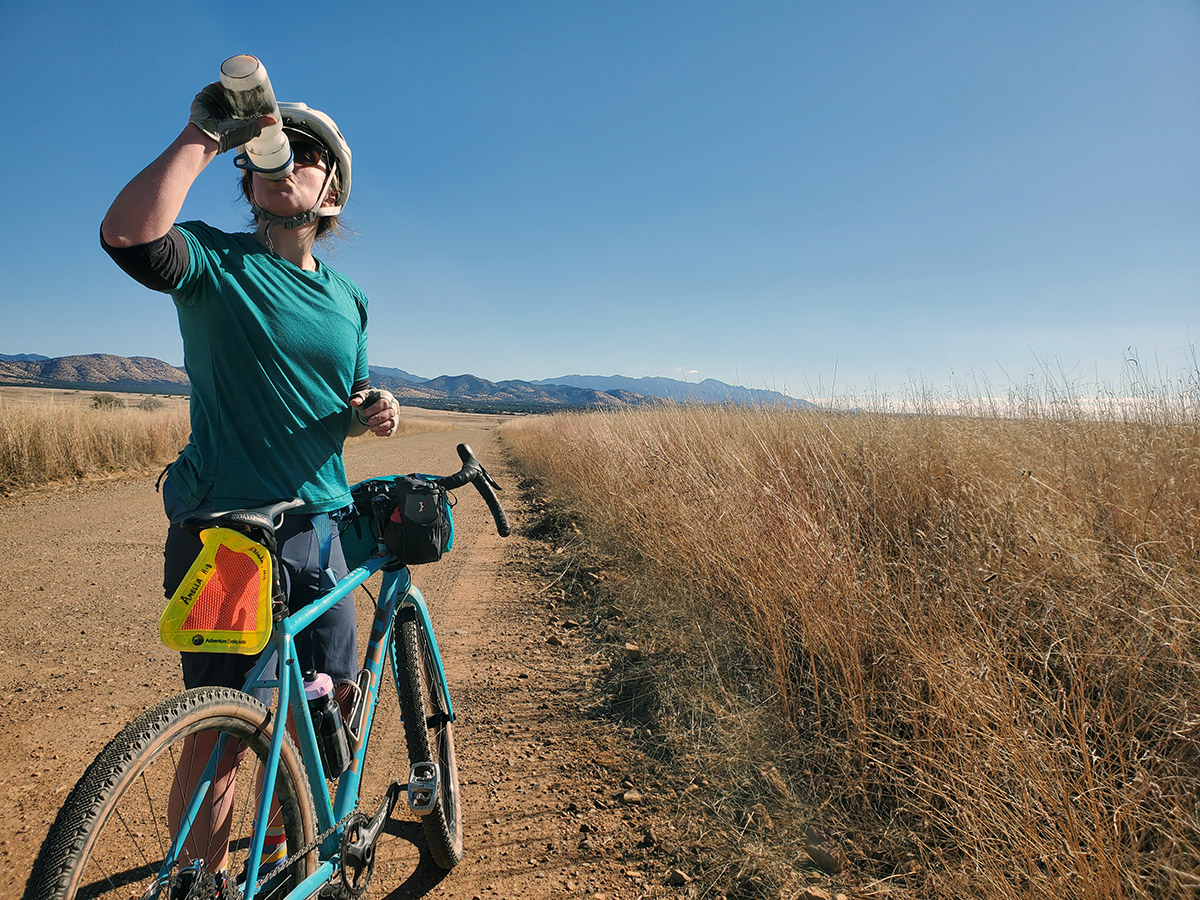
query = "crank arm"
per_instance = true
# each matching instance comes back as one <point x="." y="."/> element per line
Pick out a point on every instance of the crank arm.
<point x="362" y="849"/>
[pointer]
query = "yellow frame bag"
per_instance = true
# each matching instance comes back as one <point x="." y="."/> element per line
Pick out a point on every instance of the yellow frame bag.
<point x="223" y="604"/>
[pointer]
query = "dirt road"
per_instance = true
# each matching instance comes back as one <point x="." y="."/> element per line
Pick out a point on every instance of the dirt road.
<point x="545" y="786"/>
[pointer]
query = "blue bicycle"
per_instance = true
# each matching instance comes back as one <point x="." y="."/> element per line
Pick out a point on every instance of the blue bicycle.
<point x="204" y="796"/>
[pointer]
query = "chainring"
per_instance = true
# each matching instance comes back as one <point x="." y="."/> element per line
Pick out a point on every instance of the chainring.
<point x="355" y="879"/>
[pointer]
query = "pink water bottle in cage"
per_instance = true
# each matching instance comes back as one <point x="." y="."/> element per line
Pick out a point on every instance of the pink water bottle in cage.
<point x="332" y="742"/>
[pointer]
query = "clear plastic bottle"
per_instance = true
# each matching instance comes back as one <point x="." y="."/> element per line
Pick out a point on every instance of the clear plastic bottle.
<point x="332" y="742"/>
<point x="250" y="95"/>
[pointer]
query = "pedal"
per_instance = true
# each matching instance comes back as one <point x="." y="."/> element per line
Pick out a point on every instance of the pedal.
<point x="423" y="778"/>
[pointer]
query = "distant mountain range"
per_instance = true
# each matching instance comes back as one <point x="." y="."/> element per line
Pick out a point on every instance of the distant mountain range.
<point x="99" y="371"/>
<point x="143" y="374"/>
<point x="398" y="373"/>
<point x="468" y="392"/>
<point x="707" y="391"/>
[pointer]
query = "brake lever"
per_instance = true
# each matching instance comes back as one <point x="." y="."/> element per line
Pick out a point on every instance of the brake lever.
<point x="488" y="479"/>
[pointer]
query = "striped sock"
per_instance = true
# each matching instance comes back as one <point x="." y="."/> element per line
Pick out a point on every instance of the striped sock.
<point x="274" y="848"/>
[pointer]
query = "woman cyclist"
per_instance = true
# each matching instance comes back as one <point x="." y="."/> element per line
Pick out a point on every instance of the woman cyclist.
<point x="275" y="346"/>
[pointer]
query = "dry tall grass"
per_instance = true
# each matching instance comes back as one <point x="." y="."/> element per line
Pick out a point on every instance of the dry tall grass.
<point x="56" y="438"/>
<point x="968" y="646"/>
<point x="57" y="441"/>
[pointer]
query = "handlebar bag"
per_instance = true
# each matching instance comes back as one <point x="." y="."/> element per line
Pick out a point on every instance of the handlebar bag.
<point x="358" y="528"/>
<point x="223" y="604"/>
<point x="420" y="527"/>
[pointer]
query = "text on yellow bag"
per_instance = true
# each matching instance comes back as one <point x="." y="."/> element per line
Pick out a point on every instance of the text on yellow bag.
<point x="223" y="604"/>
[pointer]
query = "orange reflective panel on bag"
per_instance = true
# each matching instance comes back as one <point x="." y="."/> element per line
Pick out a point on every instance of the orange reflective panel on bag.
<point x="223" y="604"/>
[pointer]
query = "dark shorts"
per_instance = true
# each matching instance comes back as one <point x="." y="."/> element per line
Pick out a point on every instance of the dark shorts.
<point x="329" y="645"/>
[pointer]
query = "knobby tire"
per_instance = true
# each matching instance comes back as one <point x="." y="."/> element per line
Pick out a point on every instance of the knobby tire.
<point x="111" y="835"/>
<point x="428" y="733"/>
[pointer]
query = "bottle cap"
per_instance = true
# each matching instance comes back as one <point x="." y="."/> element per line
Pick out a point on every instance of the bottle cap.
<point x="321" y="685"/>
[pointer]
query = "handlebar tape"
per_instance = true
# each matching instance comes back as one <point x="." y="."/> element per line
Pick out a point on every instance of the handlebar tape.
<point x="475" y="473"/>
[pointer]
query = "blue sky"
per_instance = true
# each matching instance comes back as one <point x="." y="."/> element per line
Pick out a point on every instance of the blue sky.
<point x="781" y="194"/>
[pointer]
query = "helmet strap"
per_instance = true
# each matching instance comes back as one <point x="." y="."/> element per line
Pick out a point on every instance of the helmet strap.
<point x="290" y="222"/>
<point x="325" y="211"/>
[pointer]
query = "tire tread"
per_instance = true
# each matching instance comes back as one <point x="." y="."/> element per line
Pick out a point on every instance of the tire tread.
<point x="55" y="862"/>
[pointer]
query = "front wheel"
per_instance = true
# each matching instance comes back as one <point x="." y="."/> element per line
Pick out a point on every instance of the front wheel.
<point x="113" y="835"/>
<point x="428" y="732"/>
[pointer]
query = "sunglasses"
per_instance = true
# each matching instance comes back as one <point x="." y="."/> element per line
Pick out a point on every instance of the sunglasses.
<point x="308" y="153"/>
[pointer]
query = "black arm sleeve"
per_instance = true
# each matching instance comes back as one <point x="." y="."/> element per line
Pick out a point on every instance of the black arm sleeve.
<point x="160" y="265"/>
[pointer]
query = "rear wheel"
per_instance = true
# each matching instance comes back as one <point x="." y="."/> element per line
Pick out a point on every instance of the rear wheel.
<point x="428" y="732"/>
<point x="114" y="832"/>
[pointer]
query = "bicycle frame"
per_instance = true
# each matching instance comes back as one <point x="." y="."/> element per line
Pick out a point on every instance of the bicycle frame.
<point x="397" y="590"/>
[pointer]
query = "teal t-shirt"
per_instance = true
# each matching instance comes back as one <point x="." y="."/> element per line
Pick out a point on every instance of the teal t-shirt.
<point x="272" y="352"/>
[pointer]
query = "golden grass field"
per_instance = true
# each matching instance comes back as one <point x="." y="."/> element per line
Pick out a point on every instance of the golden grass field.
<point x="49" y="435"/>
<point x="965" y="649"/>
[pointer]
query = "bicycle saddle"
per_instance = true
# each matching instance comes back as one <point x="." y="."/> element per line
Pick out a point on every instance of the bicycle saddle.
<point x="264" y="517"/>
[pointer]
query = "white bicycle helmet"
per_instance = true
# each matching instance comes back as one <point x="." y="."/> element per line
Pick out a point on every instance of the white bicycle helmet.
<point x="299" y="117"/>
<point x="320" y="127"/>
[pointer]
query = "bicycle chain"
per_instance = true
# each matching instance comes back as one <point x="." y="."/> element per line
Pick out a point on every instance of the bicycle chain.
<point x="207" y="888"/>
<point x="304" y="851"/>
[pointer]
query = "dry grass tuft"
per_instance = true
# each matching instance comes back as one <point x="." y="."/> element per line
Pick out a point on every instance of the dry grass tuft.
<point x="58" y="441"/>
<point x="966" y="648"/>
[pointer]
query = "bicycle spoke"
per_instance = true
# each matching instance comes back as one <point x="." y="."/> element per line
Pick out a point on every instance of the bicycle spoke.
<point x="150" y="803"/>
<point x="249" y="810"/>
<point x="133" y="838"/>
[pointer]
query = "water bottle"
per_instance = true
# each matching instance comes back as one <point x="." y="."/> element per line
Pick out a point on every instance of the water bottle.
<point x="327" y="723"/>
<point x="249" y="93"/>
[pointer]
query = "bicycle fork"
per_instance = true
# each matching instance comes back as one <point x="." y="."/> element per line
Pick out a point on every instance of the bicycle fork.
<point x="399" y="598"/>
